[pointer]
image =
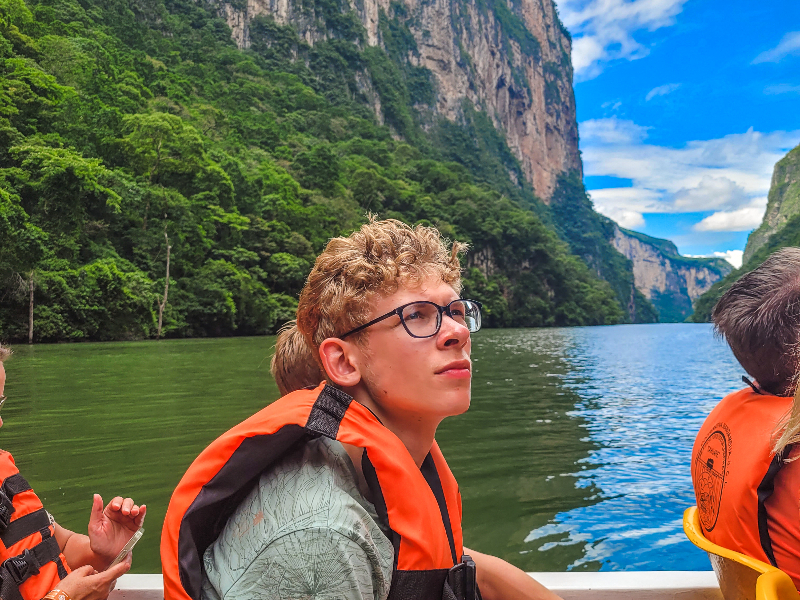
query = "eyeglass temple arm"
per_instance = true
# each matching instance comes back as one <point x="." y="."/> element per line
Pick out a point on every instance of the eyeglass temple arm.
<point x="396" y="311"/>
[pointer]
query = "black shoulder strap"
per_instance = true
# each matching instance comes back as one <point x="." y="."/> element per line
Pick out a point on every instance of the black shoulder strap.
<point x="765" y="490"/>
<point x="754" y="387"/>
<point x="18" y="569"/>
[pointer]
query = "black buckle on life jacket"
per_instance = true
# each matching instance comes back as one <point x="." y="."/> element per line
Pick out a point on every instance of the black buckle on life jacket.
<point x="22" y="566"/>
<point x="462" y="579"/>
<point x="6" y="510"/>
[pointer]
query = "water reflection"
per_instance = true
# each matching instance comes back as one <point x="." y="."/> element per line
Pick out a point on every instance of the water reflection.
<point x="644" y="392"/>
<point x="515" y="451"/>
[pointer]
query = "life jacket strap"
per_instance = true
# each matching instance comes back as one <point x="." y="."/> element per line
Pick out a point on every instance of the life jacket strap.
<point x="764" y="491"/>
<point x="12" y="486"/>
<point x="21" y="528"/>
<point x="753" y="386"/>
<point x="18" y="569"/>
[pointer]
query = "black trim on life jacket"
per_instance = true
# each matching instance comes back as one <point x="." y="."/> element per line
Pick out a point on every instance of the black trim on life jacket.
<point x="753" y="386"/>
<point x="205" y="519"/>
<point x="13" y="485"/>
<point x="18" y="569"/>
<point x="24" y="526"/>
<point x="764" y="491"/>
<point x="379" y="502"/>
<point x="219" y="498"/>
<point x="328" y="411"/>
<point x="431" y="584"/>
<point x="431" y="475"/>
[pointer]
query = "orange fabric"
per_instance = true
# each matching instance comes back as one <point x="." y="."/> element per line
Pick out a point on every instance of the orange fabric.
<point x="423" y="542"/>
<point x="292" y="408"/>
<point x="783" y="509"/>
<point x="412" y="510"/>
<point x="731" y="456"/>
<point x="25" y="503"/>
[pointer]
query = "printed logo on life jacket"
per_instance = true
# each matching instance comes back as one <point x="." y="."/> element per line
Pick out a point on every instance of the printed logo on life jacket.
<point x="711" y="465"/>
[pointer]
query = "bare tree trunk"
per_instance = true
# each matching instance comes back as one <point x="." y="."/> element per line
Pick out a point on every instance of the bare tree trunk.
<point x="162" y="305"/>
<point x="30" y="308"/>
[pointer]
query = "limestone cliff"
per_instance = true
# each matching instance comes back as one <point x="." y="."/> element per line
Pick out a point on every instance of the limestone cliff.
<point x="508" y="58"/>
<point x="783" y="202"/>
<point x="670" y="281"/>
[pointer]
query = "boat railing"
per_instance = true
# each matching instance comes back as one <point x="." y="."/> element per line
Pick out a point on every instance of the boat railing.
<point x="606" y="585"/>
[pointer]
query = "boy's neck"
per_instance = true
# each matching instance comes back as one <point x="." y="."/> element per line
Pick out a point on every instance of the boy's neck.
<point x="416" y="432"/>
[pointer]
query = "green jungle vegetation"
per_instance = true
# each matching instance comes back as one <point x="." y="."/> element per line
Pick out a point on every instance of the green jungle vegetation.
<point x="137" y="140"/>
<point x="782" y="230"/>
<point x="783" y="202"/>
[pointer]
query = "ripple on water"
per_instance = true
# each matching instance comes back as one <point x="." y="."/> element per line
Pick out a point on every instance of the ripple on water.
<point x="603" y="479"/>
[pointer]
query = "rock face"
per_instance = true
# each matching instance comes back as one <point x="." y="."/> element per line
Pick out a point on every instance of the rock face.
<point x="509" y="58"/>
<point x="670" y="281"/>
<point x="783" y="202"/>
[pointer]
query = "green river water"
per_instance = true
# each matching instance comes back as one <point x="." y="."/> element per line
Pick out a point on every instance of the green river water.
<point x="533" y="456"/>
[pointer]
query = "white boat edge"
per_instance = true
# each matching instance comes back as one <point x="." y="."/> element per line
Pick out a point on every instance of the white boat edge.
<point x="607" y="585"/>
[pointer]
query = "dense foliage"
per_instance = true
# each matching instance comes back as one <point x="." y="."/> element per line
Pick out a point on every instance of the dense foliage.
<point x="130" y="132"/>
<point x="589" y="234"/>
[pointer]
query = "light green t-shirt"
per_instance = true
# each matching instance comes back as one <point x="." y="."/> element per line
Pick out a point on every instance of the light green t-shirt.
<point x="305" y="531"/>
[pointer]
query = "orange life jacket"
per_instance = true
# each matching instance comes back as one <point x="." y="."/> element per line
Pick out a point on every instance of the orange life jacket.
<point x="420" y="506"/>
<point x="734" y="469"/>
<point x="32" y="563"/>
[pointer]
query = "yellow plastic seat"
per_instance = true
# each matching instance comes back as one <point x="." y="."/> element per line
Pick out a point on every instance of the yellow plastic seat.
<point x="740" y="577"/>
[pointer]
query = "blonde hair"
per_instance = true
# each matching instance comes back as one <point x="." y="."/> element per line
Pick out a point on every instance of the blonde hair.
<point x="788" y="431"/>
<point x="376" y="259"/>
<point x="293" y="365"/>
<point x="5" y="353"/>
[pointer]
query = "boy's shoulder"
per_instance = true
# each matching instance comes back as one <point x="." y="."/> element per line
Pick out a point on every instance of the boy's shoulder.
<point x="310" y="498"/>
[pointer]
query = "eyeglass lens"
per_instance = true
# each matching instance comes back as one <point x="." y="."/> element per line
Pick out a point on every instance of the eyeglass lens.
<point x="423" y="319"/>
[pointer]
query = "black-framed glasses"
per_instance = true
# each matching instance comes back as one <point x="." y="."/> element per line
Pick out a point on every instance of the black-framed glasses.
<point x="423" y="319"/>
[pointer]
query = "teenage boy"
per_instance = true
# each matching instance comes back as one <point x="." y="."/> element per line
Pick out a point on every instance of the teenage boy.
<point x="341" y="491"/>
<point x="744" y="470"/>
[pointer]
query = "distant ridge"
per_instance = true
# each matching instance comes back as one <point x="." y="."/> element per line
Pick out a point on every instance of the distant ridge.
<point x="670" y="281"/>
<point x="779" y="228"/>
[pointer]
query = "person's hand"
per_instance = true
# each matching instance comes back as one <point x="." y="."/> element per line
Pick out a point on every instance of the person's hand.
<point x="87" y="584"/>
<point x="110" y="529"/>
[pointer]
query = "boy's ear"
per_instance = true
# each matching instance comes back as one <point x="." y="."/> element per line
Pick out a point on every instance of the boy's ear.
<point x="337" y="359"/>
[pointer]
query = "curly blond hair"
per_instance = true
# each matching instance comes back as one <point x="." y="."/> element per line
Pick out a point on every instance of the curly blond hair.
<point x="4" y="353"/>
<point x="376" y="259"/>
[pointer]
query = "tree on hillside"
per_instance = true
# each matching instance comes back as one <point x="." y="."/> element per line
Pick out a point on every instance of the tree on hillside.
<point x="22" y="248"/>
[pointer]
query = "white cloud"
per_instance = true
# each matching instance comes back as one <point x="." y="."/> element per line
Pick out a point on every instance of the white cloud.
<point x="630" y="219"/>
<point x="790" y="44"/>
<point x="611" y="131"/>
<point x="781" y="88"/>
<point x="729" y="175"/>
<point x="732" y="256"/>
<point x="742" y="219"/>
<point x="710" y="193"/>
<point x="603" y="30"/>
<point x="661" y="90"/>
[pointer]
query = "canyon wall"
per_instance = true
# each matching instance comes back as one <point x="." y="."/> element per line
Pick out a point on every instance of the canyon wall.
<point x="670" y="281"/>
<point x="510" y="60"/>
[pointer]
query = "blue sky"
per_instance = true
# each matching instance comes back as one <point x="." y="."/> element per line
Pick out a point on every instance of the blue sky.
<point x="684" y="106"/>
